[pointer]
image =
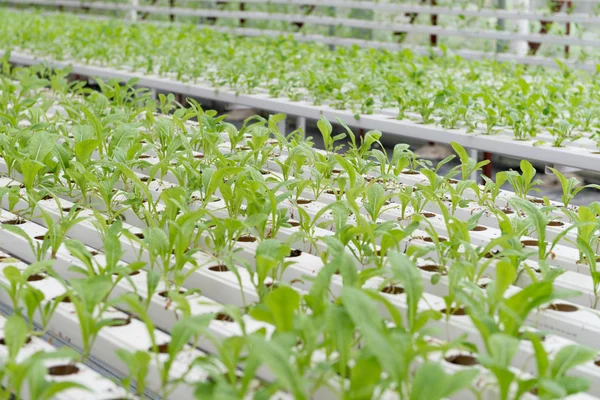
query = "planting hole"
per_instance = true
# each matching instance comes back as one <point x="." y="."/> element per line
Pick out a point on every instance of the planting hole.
<point x="462" y="359"/>
<point x="199" y="155"/>
<point x="16" y="221"/>
<point x="392" y="289"/>
<point x="139" y="235"/>
<point x="133" y="273"/>
<point x="65" y="299"/>
<point x="491" y="254"/>
<point x="562" y="307"/>
<point x="161" y="348"/>
<point x="219" y="268"/>
<point x="63" y="370"/>
<point x="459" y="311"/>
<point x="3" y="342"/>
<point x="508" y="211"/>
<point x="75" y="208"/>
<point x="39" y="237"/>
<point x="293" y="223"/>
<point x="428" y="215"/>
<point x="117" y="322"/>
<point x="433" y="268"/>
<point x="47" y="197"/>
<point x="410" y="172"/>
<point x="143" y="156"/>
<point x="452" y="181"/>
<point x="295" y="253"/>
<point x="246" y="238"/>
<point x="165" y="293"/>
<point x="479" y="228"/>
<point x="556" y="223"/>
<point x="223" y="317"/>
<point x="525" y="335"/>
<point x="530" y="243"/>
<point x="430" y="240"/>
<point x="303" y="201"/>
<point x="35" y="277"/>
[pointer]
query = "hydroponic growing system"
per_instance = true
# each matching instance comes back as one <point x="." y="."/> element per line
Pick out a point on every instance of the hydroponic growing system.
<point x="149" y="248"/>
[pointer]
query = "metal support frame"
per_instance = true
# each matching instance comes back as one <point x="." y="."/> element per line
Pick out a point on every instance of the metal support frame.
<point x="534" y="39"/>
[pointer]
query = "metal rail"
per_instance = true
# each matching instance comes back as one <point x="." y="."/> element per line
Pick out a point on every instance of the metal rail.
<point x="320" y="20"/>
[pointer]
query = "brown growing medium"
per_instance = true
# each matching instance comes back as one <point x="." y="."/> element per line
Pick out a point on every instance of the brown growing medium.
<point x="462" y="359"/>
<point x="454" y="311"/>
<point x="295" y="253"/>
<point x="392" y="289"/>
<point x="428" y="215"/>
<point x="303" y="201"/>
<point x="219" y="268"/>
<point x="3" y="341"/>
<point x="479" y="228"/>
<point x="35" y="277"/>
<point x="63" y="370"/>
<point x="133" y="273"/>
<point x="223" y="317"/>
<point x="430" y="240"/>
<point x="161" y="348"/>
<point x="246" y="238"/>
<point x="16" y="221"/>
<point x="434" y="268"/>
<point x="165" y="293"/>
<point x="537" y="201"/>
<point x="530" y="243"/>
<point x="562" y="307"/>
<point x="68" y="209"/>
<point x="556" y="223"/>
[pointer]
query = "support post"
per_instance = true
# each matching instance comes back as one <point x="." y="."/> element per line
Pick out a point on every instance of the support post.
<point x="568" y="32"/>
<point x="433" y="39"/>
<point x="501" y="45"/>
<point x="301" y="123"/>
<point x="133" y="15"/>
<point x="521" y="47"/>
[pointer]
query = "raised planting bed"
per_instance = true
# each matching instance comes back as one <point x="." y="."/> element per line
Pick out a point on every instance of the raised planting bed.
<point x="244" y="261"/>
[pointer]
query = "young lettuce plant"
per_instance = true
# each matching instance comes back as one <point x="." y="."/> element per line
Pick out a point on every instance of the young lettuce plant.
<point x="29" y="375"/>
<point x="523" y="183"/>
<point x="570" y="187"/>
<point x="540" y="221"/>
